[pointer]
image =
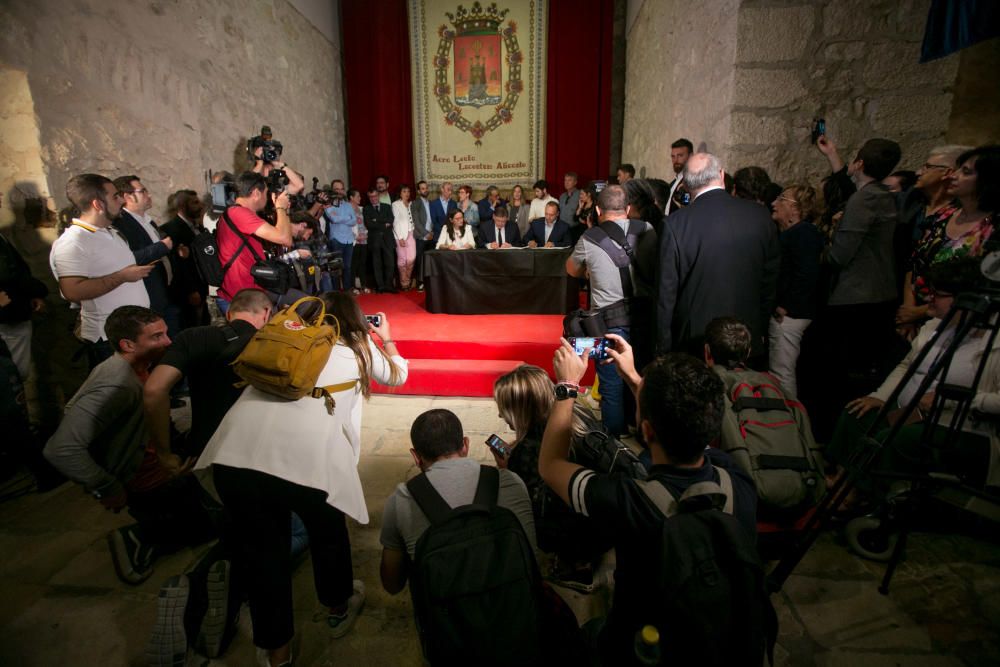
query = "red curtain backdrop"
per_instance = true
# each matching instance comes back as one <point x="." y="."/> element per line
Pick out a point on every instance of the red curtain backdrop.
<point x="578" y="99"/>
<point x="377" y="91"/>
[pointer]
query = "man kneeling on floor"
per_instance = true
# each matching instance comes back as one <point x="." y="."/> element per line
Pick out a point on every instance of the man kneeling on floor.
<point x="102" y="443"/>
<point x="477" y="594"/>
<point x="686" y="565"/>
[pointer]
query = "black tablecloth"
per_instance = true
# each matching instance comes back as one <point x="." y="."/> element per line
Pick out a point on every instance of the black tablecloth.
<point x="478" y="282"/>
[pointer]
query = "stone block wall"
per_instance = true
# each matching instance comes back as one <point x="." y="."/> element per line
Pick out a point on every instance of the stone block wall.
<point x="679" y="80"/>
<point x="167" y="90"/>
<point x="745" y="78"/>
<point x="854" y="63"/>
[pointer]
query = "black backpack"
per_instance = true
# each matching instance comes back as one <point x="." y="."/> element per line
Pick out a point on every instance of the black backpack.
<point x="475" y="583"/>
<point x="205" y="250"/>
<point x="713" y="608"/>
<point x="604" y="453"/>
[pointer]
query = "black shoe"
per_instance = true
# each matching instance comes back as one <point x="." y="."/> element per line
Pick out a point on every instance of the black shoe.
<point x="133" y="560"/>
<point x="218" y="625"/>
<point x="168" y="644"/>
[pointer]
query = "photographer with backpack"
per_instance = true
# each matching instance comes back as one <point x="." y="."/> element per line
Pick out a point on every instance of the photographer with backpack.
<point x="272" y="456"/>
<point x="684" y="538"/>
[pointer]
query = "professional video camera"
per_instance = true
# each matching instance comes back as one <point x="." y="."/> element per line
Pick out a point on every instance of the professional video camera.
<point x="271" y="148"/>
<point x="325" y="195"/>
<point x="223" y="193"/>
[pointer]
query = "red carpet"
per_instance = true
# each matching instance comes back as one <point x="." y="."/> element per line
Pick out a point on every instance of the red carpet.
<point x="461" y="355"/>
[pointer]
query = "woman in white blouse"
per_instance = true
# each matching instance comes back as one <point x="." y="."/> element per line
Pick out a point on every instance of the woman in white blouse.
<point x="456" y="235"/>
<point x="271" y="457"/>
<point x="402" y="229"/>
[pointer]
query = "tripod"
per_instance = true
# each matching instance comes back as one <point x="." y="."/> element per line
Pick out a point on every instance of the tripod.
<point x="976" y="311"/>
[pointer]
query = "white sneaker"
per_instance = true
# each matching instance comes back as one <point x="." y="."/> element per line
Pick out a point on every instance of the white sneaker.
<point x="340" y="625"/>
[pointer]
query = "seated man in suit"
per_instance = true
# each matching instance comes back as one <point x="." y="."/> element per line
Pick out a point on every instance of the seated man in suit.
<point x="548" y="232"/>
<point x="498" y="234"/>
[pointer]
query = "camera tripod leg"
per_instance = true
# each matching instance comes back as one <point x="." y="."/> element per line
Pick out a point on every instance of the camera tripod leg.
<point x="894" y="561"/>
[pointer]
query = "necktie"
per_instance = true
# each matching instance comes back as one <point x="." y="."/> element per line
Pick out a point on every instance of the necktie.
<point x="500" y="234"/>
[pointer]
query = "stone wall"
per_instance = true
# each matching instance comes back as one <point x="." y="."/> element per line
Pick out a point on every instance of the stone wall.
<point x="166" y="89"/>
<point x="679" y="80"/>
<point x="748" y="76"/>
<point x="852" y="62"/>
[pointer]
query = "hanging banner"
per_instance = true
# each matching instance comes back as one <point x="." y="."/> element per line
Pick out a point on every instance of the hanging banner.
<point x="478" y="81"/>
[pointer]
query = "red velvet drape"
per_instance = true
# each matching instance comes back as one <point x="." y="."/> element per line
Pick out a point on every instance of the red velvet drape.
<point x="377" y="91"/>
<point x="578" y="100"/>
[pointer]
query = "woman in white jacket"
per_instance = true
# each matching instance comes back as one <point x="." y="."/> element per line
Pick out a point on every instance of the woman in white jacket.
<point x="975" y="452"/>
<point x="402" y="230"/>
<point x="272" y="456"/>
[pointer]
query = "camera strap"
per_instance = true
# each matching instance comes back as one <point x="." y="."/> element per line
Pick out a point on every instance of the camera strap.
<point x="245" y="243"/>
<point x="618" y="247"/>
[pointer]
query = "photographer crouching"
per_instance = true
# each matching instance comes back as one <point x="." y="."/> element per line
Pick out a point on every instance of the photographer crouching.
<point x="311" y="265"/>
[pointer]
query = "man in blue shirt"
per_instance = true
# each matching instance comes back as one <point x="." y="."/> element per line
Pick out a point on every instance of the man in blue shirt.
<point x="340" y="221"/>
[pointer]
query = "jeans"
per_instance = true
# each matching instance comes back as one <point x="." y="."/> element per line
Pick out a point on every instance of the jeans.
<point x="347" y="251"/>
<point x="222" y="304"/>
<point x="784" y="342"/>
<point x="613" y="392"/>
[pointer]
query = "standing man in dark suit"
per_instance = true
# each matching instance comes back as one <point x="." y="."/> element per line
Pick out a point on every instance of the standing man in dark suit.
<point x="719" y="256"/>
<point x="188" y="292"/>
<point x="550" y="231"/>
<point x="381" y="243"/>
<point x="441" y="210"/>
<point x="422" y="234"/>
<point x="143" y="238"/>
<point x="498" y="234"/>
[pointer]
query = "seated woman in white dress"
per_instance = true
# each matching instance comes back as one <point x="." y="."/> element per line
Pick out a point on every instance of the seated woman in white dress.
<point x="271" y="456"/>
<point x="456" y="235"/>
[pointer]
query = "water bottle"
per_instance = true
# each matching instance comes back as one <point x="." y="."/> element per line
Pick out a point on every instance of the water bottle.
<point x="647" y="645"/>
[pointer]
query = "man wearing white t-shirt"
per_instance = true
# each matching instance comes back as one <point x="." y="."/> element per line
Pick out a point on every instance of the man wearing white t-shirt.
<point x="93" y="264"/>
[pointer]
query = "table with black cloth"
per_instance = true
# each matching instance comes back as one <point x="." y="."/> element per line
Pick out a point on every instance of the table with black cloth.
<point x="491" y="282"/>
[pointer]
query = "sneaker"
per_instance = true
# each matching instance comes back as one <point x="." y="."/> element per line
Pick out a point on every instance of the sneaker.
<point x="216" y="624"/>
<point x="133" y="560"/>
<point x="168" y="644"/>
<point x="264" y="660"/>
<point x="340" y="624"/>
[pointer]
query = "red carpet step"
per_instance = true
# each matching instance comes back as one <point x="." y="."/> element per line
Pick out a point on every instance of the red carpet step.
<point x="461" y="355"/>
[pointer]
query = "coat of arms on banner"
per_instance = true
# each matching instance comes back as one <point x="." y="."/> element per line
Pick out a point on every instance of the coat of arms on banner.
<point x="473" y="54"/>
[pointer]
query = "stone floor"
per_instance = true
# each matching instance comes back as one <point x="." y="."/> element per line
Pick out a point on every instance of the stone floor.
<point x="62" y="603"/>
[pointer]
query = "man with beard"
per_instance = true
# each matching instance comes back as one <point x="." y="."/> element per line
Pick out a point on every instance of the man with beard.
<point x="102" y="444"/>
<point x="188" y="292"/>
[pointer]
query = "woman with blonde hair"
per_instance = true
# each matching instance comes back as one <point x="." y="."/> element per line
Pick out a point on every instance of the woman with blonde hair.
<point x="271" y="456"/>
<point x="524" y="397"/>
<point x="797" y="301"/>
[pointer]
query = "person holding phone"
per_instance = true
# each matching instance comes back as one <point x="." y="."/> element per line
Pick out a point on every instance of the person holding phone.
<point x="271" y="456"/>
<point x="524" y="399"/>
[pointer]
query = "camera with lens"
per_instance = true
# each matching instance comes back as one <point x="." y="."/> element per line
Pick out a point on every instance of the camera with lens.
<point x="277" y="181"/>
<point x="270" y="149"/>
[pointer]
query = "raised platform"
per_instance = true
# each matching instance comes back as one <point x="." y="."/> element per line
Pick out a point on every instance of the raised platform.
<point x="461" y="355"/>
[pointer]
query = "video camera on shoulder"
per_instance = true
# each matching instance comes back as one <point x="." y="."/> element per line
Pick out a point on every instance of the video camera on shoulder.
<point x="271" y="148"/>
<point x="223" y="193"/>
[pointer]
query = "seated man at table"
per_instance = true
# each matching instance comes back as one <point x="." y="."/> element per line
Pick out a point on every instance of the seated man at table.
<point x="548" y="232"/>
<point x="498" y="234"/>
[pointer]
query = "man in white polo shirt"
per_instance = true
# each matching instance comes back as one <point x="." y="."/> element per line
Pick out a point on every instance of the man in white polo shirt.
<point x="93" y="264"/>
